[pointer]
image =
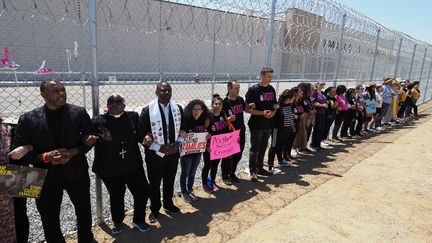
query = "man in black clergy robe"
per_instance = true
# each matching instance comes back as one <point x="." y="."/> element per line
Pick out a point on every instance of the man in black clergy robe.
<point x="57" y="132"/>
<point x="162" y="147"/>
<point x="119" y="163"/>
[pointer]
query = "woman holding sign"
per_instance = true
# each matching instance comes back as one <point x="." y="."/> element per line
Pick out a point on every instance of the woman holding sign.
<point x="234" y="106"/>
<point x="197" y="120"/>
<point x="218" y="125"/>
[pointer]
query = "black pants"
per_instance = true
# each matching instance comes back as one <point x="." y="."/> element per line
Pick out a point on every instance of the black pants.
<point x="348" y="119"/>
<point x="318" y="130"/>
<point x="282" y="140"/>
<point x="21" y="220"/>
<point x="330" y="117"/>
<point x="340" y="116"/>
<point x="355" y="128"/>
<point x="229" y="166"/>
<point x="259" y="140"/>
<point x="403" y="108"/>
<point x="137" y="183"/>
<point x="211" y="166"/>
<point x="158" y="170"/>
<point x="50" y="201"/>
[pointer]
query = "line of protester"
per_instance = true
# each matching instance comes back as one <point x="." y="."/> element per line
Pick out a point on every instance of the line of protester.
<point x="57" y="136"/>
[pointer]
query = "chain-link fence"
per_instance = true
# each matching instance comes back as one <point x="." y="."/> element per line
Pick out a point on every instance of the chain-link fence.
<point x="197" y="45"/>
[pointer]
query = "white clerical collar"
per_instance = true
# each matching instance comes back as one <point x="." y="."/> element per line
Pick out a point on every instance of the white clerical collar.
<point x="116" y="116"/>
<point x="164" y="106"/>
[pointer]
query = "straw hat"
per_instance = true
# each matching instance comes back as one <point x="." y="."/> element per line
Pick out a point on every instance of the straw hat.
<point x="371" y="84"/>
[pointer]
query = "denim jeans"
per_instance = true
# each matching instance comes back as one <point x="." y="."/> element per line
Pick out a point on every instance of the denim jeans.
<point x="189" y="164"/>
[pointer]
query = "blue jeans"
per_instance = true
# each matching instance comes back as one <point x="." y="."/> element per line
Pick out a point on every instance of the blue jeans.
<point x="189" y="165"/>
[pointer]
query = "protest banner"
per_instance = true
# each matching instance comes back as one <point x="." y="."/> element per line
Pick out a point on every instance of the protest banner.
<point x="195" y="143"/>
<point x="224" y="145"/>
<point x="21" y="181"/>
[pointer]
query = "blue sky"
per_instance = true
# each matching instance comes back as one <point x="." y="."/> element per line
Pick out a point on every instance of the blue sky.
<point x="412" y="17"/>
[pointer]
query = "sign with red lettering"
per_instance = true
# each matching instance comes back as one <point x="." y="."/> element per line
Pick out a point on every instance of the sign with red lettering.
<point x="195" y="143"/>
<point x="224" y="145"/>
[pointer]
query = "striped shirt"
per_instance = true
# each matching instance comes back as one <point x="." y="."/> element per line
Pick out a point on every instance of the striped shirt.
<point x="288" y="115"/>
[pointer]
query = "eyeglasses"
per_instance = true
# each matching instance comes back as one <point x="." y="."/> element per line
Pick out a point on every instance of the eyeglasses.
<point x="115" y="101"/>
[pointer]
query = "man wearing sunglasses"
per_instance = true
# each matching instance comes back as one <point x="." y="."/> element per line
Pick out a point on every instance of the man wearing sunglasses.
<point x="119" y="163"/>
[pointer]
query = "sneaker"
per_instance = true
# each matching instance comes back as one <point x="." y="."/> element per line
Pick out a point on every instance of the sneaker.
<point x="234" y="178"/>
<point x="142" y="227"/>
<point x="117" y="229"/>
<point x="172" y="209"/>
<point x="284" y="163"/>
<point x="193" y="197"/>
<point x="275" y="171"/>
<point x="207" y="188"/>
<point x="264" y="172"/>
<point x="325" y="143"/>
<point x="186" y="197"/>
<point x="254" y="177"/>
<point x="227" y="181"/>
<point x="312" y="149"/>
<point x="153" y="217"/>
<point x="216" y="187"/>
<point x="293" y="154"/>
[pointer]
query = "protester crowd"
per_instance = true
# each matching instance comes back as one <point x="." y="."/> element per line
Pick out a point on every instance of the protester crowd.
<point x="57" y="136"/>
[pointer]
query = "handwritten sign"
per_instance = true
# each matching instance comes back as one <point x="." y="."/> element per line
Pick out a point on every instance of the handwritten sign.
<point x="195" y="143"/>
<point x="224" y="145"/>
<point x="21" y="181"/>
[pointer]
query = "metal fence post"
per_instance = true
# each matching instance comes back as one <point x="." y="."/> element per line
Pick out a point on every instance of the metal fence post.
<point x="270" y="33"/>
<point x="423" y="63"/>
<point x="95" y="91"/>
<point x="427" y="82"/>
<point x="412" y="62"/>
<point x="340" y="46"/>
<point x="250" y="53"/>
<point x="161" y="42"/>
<point x="213" y="59"/>
<point x="397" y="58"/>
<point x="80" y="56"/>
<point x="375" y="54"/>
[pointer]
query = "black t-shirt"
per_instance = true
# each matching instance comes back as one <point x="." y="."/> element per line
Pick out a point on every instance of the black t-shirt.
<point x="264" y="99"/>
<point x="218" y="124"/>
<point x="237" y="108"/>
<point x="192" y="125"/>
<point x="54" y="120"/>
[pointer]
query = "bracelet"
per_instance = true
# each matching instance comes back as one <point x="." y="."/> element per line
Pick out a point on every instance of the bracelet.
<point x="44" y="158"/>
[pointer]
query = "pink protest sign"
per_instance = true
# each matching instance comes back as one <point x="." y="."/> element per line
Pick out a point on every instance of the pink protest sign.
<point x="224" y="145"/>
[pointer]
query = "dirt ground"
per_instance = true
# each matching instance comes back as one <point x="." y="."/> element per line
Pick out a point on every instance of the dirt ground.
<point x="333" y="195"/>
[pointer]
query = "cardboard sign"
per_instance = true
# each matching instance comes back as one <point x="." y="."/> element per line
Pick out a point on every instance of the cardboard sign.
<point x="195" y="143"/>
<point x="224" y="145"/>
<point x="21" y="181"/>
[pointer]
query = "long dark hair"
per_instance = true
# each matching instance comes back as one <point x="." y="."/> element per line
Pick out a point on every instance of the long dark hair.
<point x="188" y="110"/>
<point x="327" y="91"/>
<point x="341" y="89"/>
<point x="286" y="94"/>
<point x="230" y="84"/>
<point x="371" y="92"/>
<point x="306" y="88"/>
<point x="348" y="93"/>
